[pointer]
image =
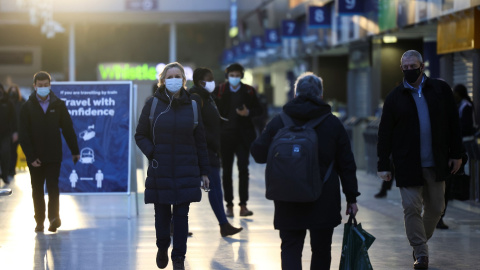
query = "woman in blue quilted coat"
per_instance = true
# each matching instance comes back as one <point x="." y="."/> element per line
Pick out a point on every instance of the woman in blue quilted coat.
<point x="178" y="161"/>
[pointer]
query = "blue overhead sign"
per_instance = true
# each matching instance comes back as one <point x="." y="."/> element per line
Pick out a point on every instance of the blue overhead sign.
<point x="272" y="38"/>
<point x="257" y="43"/>
<point x="228" y="56"/>
<point x="320" y="17"/>
<point x="290" y="29"/>
<point x="246" y="48"/>
<point x="350" y="7"/>
<point x="102" y="118"/>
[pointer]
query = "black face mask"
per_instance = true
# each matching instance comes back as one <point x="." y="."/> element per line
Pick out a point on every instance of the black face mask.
<point x="13" y="95"/>
<point x="411" y="75"/>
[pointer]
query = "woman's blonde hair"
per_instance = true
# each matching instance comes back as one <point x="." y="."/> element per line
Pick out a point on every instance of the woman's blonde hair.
<point x="161" y="76"/>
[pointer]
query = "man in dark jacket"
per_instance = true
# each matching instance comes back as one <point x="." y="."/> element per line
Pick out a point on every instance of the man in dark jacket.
<point x="238" y="103"/>
<point x="43" y="117"/>
<point x="8" y="132"/>
<point x="323" y="215"/>
<point x="420" y="129"/>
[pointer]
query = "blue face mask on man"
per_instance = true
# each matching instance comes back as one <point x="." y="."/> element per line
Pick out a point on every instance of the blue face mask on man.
<point x="234" y="81"/>
<point x="43" y="91"/>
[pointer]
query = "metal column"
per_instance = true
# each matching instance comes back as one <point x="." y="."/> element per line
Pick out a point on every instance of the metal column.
<point x="71" y="54"/>
<point x="173" y="42"/>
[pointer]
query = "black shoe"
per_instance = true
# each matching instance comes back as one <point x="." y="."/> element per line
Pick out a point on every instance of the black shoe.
<point x="244" y="212"/>
<point x="39" y="228"/>
<point x="227" y="229"/>
<point x="381" y="194"/>
<point x="421" y="263"/>
<point x="162" y="258"/>
<point x="229" y="212"/>
<point x="178" y="263"/>
<point x="54" y="224"/>
<point x="441" y="225"/>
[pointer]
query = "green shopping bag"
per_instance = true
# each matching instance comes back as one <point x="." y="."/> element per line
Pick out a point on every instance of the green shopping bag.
<point x="356" y="242"/>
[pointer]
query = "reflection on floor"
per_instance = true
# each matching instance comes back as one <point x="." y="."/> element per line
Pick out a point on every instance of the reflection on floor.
<point x="96" y="233"/>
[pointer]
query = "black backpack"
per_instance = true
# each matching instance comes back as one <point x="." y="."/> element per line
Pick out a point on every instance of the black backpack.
<point x="292" y="173"/>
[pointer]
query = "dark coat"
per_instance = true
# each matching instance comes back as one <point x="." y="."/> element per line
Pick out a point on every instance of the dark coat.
<point x="179" y="156"/>
<point x="399" y="132"/>
<point x="39" y="132"/>
<point x="333" y="145"/>
<point x="211" y="123"/>
<point x="8" y="118"/>
<point x="466" y="120"/>
<point x="244" y="125"/>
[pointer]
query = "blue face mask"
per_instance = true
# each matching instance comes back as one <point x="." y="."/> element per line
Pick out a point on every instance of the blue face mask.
<point x="234" y="81"/>
<point x="43" y="91"/>
<point x="174" y="84"/>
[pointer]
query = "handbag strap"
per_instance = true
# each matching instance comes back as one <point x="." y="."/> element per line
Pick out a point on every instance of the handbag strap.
<point x="352" y="220"/>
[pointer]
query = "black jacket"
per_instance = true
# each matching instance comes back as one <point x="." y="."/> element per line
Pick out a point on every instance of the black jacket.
<point x="399" y="132"/>
<point x="244" y="125"/>
<point x="39" y="132"/>
<point x="8" y="118"/>
<point x="211" y="123"/>
<point x="466" y="119"/>
<point x="179" y="156"/>
<point x="333" y="145"/>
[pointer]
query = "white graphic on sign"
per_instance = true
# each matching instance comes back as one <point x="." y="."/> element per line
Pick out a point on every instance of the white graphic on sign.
<point x="99" y="178"/>
<point x="87" y="134"/>
<point x="73" y="178"/>
<point x="87" y="156"/>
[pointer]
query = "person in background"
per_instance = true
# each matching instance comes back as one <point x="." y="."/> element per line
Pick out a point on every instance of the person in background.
<point x="43" y="118"/>
<point x="320" y="217"/>
<point x="420" y="130"/>
<point x="466" y="115"/>
<point x="238" y="103"/>
<point x="203" y="87"/>
<point x="178" y="161"/>
<point x="16" y="98"/>
<point x="8" y="133"/>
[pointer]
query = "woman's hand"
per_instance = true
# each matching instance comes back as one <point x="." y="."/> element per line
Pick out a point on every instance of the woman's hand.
<point x="206" y="183"/>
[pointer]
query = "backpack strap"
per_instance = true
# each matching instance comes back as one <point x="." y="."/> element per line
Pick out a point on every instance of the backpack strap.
<point x="329" y="171"/>
<point x="152" y="111"/>
<point x="317" y="121"/>
<point x="287" y="120"/>
<point x="221" y="89"/>
<point x="195" y="113"/>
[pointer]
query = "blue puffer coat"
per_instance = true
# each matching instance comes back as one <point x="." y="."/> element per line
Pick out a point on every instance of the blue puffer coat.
<point x="177" y="153"/>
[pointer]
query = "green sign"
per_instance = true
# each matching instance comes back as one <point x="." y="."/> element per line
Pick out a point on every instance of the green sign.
<point x="387" y="14"/>
<point x="126" y="72"/>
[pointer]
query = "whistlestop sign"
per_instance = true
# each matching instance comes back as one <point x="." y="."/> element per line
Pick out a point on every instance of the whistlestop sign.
<point x="102" y="118"/>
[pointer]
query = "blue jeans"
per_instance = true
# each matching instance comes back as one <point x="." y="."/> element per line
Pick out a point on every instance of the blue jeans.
<point x="163" y="217"/>
<point x="292" y="247"/>
<point x="215" y="196"/>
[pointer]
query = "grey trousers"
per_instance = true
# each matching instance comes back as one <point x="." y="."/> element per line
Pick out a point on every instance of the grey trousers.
<point x="429" y="198"/>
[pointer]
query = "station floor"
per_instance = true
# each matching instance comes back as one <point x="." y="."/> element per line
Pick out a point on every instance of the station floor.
<point x="107" y="232"/>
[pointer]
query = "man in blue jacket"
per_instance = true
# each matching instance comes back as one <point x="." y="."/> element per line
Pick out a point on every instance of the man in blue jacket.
<point x="420" y="129"/>
<point x="43" y="117"/>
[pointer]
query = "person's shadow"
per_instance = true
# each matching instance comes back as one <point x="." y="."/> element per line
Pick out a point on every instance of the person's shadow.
<point x="224" y="258"/>
<point x="47" y="254"/>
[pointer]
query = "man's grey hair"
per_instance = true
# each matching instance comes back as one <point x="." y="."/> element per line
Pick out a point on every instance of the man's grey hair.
<point x="309" y="84"/>
<point x="412" y="53"/>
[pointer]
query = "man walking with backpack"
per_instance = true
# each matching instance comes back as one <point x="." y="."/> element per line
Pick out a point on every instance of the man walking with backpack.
<point x="322" y="212"/>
